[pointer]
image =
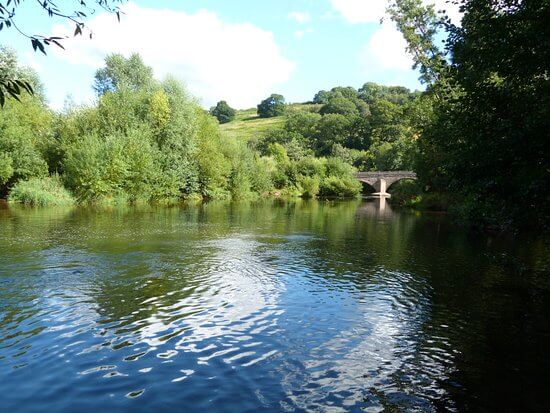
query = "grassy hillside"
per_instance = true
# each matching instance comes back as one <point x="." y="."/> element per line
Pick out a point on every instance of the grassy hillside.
<point x="249" y="126"/>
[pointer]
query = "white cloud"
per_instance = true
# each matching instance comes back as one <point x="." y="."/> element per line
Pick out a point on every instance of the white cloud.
<point x="300" y="17"/>
<point x="371" y="11"/>
<point x="240" y="63"/>
<point x="301" y="33"/>
<point x="385" y="50"/>
<point x="360" y="11"/>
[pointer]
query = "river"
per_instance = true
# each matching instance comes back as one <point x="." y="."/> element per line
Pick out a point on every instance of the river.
<point x="326" y="306"/>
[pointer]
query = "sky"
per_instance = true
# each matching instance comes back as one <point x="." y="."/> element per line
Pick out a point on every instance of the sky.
<point x="240" y="51"/>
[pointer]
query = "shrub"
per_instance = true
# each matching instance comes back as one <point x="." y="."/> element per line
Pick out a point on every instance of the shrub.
<point x="311" y="166"/>
<point x="342" y="187"/>
<point x="310" y="186"/>
<point x="261" y="175"/>
<point x="41" y="192"/>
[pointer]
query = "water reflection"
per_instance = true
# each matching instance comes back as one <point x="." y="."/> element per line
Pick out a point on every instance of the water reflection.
<point x="278" y="306"/>
<point x="377" y="208"/>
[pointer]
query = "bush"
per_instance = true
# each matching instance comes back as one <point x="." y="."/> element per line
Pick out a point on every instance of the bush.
<point x="41" y="192"/>
<point x="310" y="186"/>
<point x="311" y="166"/>
<point x="342" y="187"/>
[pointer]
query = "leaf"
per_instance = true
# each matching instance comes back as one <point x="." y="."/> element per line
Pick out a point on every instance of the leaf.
<point x="57" y="43"/>
<point x="37" y="44"/>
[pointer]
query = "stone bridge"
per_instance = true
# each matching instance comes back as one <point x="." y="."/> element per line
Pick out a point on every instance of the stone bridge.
<point x="381" y="181"/>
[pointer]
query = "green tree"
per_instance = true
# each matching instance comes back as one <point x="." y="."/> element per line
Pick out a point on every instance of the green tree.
<point x="223" y="112"/>
<point x="333" y="128"/>
<point x="273" y="106"/>
<point x="341" y="106"/>
<point x="322" y="97"/>
<point x="488" y="138"/>
<point x="121" y="72"/>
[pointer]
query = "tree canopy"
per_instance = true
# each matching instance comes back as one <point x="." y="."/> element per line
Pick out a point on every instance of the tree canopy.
<point x="488" y="136"/>
<point x="272" y="106"/>
<point x="223" y="112"/>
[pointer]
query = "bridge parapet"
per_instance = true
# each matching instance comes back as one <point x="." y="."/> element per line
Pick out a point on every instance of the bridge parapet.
<point x="386" y="174"/>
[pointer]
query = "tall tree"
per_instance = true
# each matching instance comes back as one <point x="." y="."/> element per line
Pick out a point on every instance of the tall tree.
<point x="121" y="72"/>
<point x="490" y="135"/>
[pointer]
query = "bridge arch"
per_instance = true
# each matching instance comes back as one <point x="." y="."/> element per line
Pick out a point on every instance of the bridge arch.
<point x="381" y="181"/>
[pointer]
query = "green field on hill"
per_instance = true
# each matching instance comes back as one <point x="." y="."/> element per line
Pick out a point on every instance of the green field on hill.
<point x="247" y="125"/>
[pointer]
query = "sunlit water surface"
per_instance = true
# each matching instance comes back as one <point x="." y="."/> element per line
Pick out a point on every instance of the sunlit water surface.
<point x="268" y="306"/>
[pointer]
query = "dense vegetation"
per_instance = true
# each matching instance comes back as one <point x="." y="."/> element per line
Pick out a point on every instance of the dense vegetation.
<point x="477" y="137"/>
<point x="143" y="141"/>
<point x="484" y="143"/>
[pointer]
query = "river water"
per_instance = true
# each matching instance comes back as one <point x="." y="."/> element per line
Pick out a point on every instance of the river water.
<point x="268" y="306"/>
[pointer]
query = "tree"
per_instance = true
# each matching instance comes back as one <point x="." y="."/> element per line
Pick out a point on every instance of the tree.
<point x="333" y="128"/>
<point x="273" y="106"/>
<point x="120" y="72"/>
<point x="321" y="97"/>
<point x="493" y="97"/>
<point x="12" y="86"/>
<point x="341" y="106"/>
<point x="419" y="25"/>
<point x="223" y="112"/>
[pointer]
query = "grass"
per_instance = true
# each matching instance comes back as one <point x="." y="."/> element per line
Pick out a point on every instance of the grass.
<point x="248" y="126"/>
<point x="47" y="191"/>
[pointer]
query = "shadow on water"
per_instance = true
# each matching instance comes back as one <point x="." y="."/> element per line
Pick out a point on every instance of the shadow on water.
<point x="272" y="305"/>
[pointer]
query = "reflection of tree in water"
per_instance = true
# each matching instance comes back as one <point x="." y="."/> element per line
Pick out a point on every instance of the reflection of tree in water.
<point x="420" y="307"/>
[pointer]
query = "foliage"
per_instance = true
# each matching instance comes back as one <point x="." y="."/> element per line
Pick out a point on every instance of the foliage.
<point x="223" y="112"/>
<point x="341" y="106"/>
<point x="149" y="141"/>
<point x="334" y="186"/>
<point x="272" y="106"/>
<point x="6" y="167"/>
<point x="405" y="192"/>
<point x="73" y="11"/>
<point x="47" y="191"/>
<point x="122" y="73"/>
<point x="15" y="79"/>
<point x="487" y="137"/>
<point x="310" y="186"/>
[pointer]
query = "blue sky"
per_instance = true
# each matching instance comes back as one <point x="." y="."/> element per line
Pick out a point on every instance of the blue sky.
<point x="238" y="50"/>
